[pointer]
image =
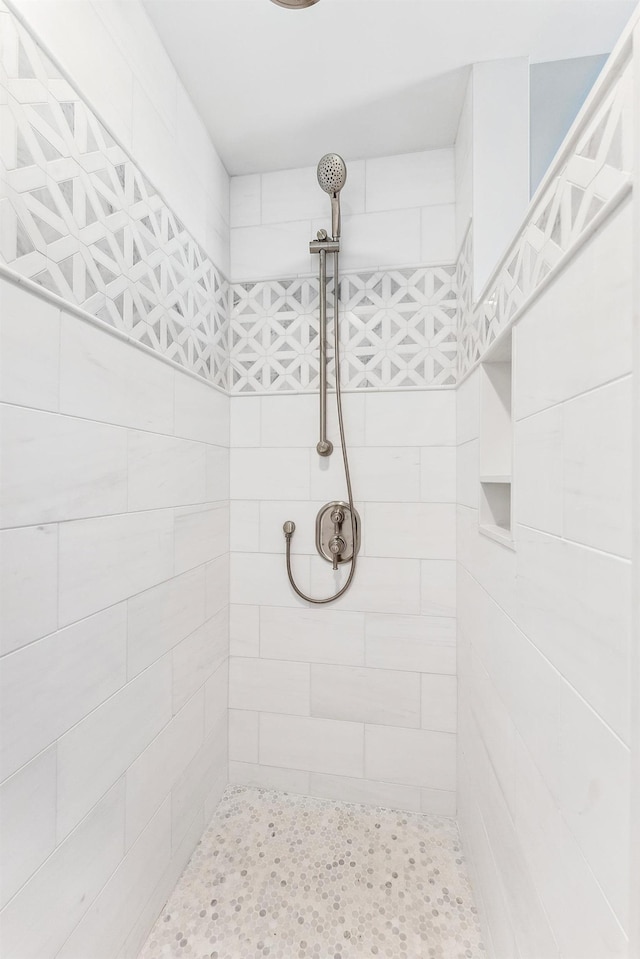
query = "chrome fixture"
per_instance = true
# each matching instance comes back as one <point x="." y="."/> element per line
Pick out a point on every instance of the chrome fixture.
<point x="295" y="4"/>
<point x="322" y="246"/>
<point x="335" y="532"/>
<point x="337" y="523"/>
<point x="332" y="176"/>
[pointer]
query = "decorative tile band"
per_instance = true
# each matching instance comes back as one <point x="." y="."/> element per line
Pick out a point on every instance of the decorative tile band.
<point x="597" y="166"/>
<point x="80" y="219"/>
<point x="397" y="331"/>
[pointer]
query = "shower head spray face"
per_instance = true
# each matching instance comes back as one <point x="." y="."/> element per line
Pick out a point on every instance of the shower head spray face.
<point x="332" y="176"/>
<point x="332" y="173"/>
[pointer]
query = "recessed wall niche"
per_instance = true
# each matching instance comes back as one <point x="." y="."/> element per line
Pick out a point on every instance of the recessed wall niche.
<point x="496" y="442"/>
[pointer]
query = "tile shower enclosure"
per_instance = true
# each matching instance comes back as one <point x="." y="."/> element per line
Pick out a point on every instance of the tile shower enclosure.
<point x="163" y="364"/>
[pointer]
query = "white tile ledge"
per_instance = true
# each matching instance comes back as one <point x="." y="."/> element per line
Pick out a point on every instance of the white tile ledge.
<point x="499" y="535"/>
<point x="65" y="306"/>
<point x="434" y="388"/>
<point x="496" y="478"/>
<point x="373" y="268"/>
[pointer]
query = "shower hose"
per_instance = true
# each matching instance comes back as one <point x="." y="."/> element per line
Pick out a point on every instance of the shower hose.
<point x="345" y="459"/>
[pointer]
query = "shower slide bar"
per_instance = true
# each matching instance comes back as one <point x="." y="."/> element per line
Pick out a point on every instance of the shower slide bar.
<point x="337" y="523"/>
<point x="322" y="246"/>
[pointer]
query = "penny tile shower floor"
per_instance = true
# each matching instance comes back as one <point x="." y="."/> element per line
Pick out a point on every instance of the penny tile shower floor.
<point x="290" y="877"/>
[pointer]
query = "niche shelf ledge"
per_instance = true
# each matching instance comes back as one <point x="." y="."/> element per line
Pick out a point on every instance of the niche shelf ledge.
<point x="497" y="533"/>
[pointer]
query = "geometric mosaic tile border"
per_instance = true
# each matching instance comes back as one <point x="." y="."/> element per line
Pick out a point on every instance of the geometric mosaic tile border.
<point x="81" y="220"/>
<point x="397" y="331"/>
<point x="594" y="170"/>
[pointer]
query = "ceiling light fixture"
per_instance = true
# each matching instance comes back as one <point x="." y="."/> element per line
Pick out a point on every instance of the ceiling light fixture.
<point x="294" y="4"/>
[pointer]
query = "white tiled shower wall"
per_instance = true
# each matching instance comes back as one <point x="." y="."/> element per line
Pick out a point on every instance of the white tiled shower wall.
<point x="355" y="701"/>
<point x="396" y="211"/>
<point x="366" y="687"/>
<point x="114" y="556"/>
<point x="492" y="160"/>
<point x="544" y="630"/>
<point x="547" y="742"/>
<point x="114" y="625"/>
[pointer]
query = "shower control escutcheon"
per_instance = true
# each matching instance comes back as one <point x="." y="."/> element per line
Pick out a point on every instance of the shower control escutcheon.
<point x="334" y="533"/>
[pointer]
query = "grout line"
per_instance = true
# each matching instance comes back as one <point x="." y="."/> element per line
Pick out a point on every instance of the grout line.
<point x="120" y="602"/>
<point x="554" y="669"/>
<point x="128" y="469"/>
<point x="59" y="358"/>
<point x="57" y="575"/>
<point x="577" y="396"/>
<point x="555" y="536"/>
<point x="206" y="506"/>
<point x="563" y="471"/>
<point x="586" y="862"/>
<point x="351" y="390"/>
<point x="65" y="839"/>
<point x="574" y="542"/>
<point x="120" y="426"/>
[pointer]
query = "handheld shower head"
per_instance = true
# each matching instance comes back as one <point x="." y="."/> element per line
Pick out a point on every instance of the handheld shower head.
<point x="332" y="173"/>
<point x="332" y="176"/>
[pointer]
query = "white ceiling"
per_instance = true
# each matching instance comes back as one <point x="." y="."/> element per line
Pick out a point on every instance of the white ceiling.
<point x="278" y="88"/>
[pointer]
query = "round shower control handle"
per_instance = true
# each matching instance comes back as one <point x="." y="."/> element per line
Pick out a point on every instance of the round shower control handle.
<point x="337" y="545"/>
<point x="337" y="517"/>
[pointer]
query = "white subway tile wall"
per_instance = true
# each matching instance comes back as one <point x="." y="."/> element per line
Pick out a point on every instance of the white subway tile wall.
<point x="67" y="882"/>
<point x="116" y="575"/>
<point x="115" y="629"/>
<point x="395" y="186"/>
<point x="544" y="632"/>
<point x="28" y="815"/>
<point x="115" y="484"/>
<point x="313" y="690"/>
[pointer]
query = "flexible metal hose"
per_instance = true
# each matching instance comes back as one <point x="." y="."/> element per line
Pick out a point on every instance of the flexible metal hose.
<point x="345" y="459"/>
